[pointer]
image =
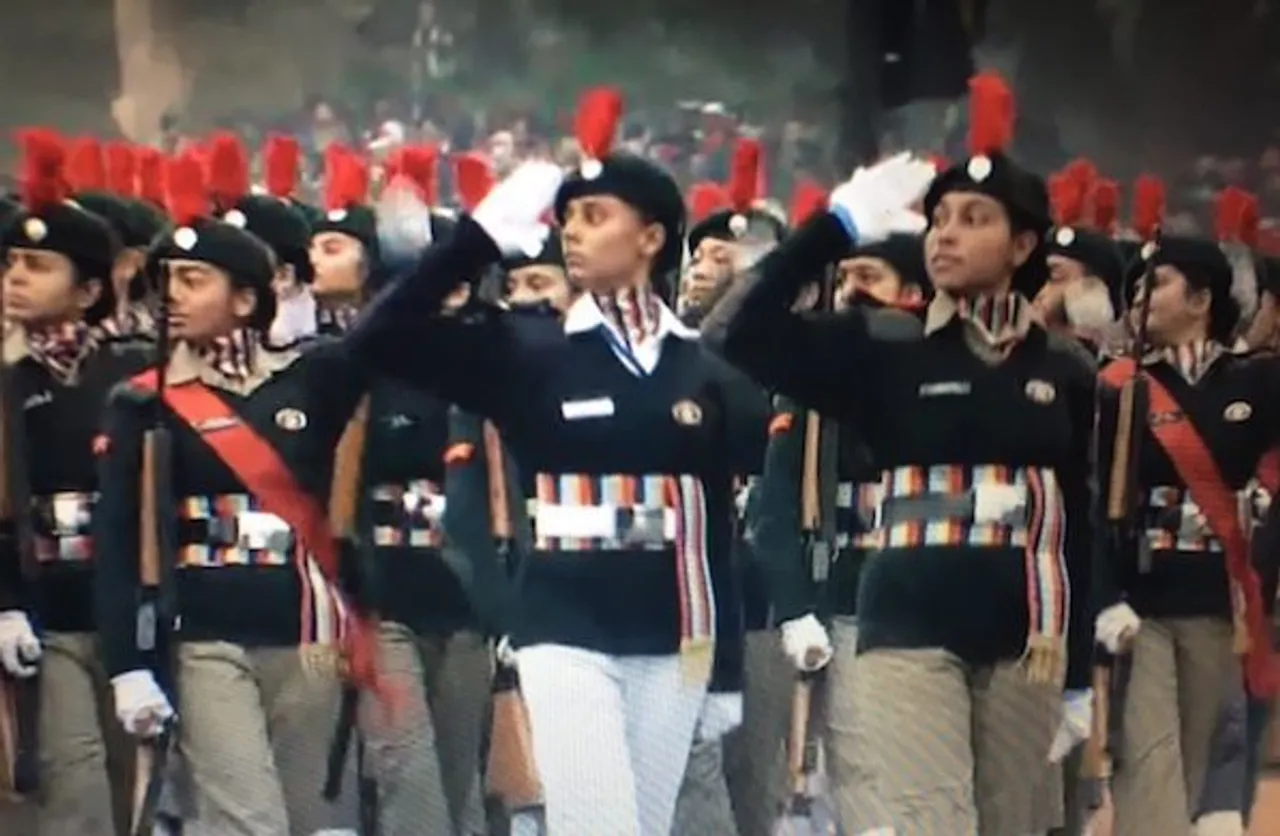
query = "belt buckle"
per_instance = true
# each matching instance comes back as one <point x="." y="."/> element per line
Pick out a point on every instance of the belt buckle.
<point x="642" y="526"/>
<point x="257" y="531"/>
<point x="999" y="504"/>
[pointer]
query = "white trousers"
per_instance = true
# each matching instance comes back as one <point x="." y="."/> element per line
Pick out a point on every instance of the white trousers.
<point x="611" y="736"/>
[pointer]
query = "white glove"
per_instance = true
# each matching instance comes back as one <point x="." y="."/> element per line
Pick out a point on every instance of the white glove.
<point x="806" y="643"/>
<point x="141" y="706"/>
<point x="721" y="714"/>
<point x="404" y="225"/>
<point x="879" y="199"/>
<point x="1077" y="723"/>
<point x="511" y="213"/>
<point x="1116" y="626"/>
<point x="19" y="647"/>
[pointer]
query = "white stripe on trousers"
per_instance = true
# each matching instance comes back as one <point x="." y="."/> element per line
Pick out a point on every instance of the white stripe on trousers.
<point x="611" y="735"/>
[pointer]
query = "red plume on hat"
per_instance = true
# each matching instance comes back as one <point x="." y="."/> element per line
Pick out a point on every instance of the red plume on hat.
<point x="228" y="170"/>
<point x="122" y="168"/>
<point x="1106" y="205"/>
<point x="185" y="189"/>
<point x="419" y="164"/>
<point x="281" y="163"/>
<point x="1066" y="197"/>
<point x="1148" y="205"/>
<point x="744" y="174"/>
<point x="596" y="122"/>
<point x="151" y="176"/>
<point x="86" y="167"/>
<point x="991" y="114"/>
<point x="472" y="179"/>
<point x="44" y="160"/>
<point x="1235" y="216"/>
<point x="346" y="178"/>
<point x="705" y="199"/>
<point x="807" y="200"/>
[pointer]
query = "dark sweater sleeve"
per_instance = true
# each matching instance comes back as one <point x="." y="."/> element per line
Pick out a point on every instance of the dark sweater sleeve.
<point x="463" y="358"/>
<point x="796" y="354"/>
<point x="1108" y="544"/>
<point x="774" y="516"/>
<point x="116" y="529"/>
<point x="1080" y="489"/>
<point x="469" y="542"/>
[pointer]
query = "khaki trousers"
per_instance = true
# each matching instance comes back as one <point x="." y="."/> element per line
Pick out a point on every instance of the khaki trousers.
<point x="254" y="736"/>
<point x="755" y="753"/>
<point x="1171" y="710"/>
<point x="703" y="806"/>
<point x="427" y="765"/>
<point x="85" y="755"/>
<point x="926" y="745"/>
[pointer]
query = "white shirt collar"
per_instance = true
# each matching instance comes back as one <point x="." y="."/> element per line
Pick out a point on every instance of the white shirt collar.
<point x="585" y="315"/>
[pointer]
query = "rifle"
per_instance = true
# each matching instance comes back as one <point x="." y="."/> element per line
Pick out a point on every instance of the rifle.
<point x="1102" y="751"/>
<point x="817" y="520"/>
<point x="344" y="496"/>
<point x="157" y="613"/>
<point x="510" y="774"/>
<point x="19" y="698"/>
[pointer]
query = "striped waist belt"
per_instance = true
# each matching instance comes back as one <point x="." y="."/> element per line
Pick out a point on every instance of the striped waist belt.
<point x="408" y="514"/>
<point x="231" y="530"/>
<point x="61" y="523"/>
<point x="604" y="513"/>
<point x="1174" y="522"/>
<point x="954" y="505"/>
<point x="990" y="506"/>
<point x="616" y="512"/>
<point x="856" y="506"/>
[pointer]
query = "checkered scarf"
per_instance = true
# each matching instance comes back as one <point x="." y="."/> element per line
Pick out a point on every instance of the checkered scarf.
<point x="635" y="312"/>
<point x="232" y="355"/>
<point x="61" y="348"/>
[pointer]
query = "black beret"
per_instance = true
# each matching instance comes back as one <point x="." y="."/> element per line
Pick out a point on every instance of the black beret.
<point x="1098" y="253"/>
<point x="246" y="259"/>
<point x="73" y="231"/>
<point x="643" y="185"/>
<point x="1022" y="193"/>
<point x="727" y="225"/>
<point x="1205" y="266"/>
<point x="8" y="208"/>
<point x="357" y="221"/>
<point x="904" y="253"/>
<point x="550" y="254"/>
<point x="279" y="225"/>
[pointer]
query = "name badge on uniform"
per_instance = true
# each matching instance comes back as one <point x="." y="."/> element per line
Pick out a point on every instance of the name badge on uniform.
<point x="943" y="388"/>
<point x="590" y="408"/>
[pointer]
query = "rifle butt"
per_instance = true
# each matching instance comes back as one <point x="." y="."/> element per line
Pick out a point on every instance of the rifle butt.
<point x="19" y="743"/>
<point x="511" y="773"/>
<point x="1096" y="763"/>
<point x="340" y="743"/>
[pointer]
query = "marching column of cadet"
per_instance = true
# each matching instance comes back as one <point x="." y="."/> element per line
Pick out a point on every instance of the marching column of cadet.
<point x="967" y="426"/>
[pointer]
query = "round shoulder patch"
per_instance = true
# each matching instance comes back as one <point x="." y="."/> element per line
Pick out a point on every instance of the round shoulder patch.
<point x="291" y="419"/>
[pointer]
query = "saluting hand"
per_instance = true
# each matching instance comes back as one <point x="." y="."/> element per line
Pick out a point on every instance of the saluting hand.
<point x="877" y="201"/>
<point x="512" y="212"/>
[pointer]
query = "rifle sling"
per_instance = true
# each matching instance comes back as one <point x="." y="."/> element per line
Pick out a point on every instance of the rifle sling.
<point x="1191" y="457"/>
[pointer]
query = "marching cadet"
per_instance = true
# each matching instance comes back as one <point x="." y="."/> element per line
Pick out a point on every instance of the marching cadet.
<point x="721" y="243"/>
<point x="1086" y="270"/>
<point x="107" y="180"/>
<point x="1182" y="595"/>
<point x="426" y="767"/>
<point x="57" y="289"/>
<point x="981" y="422"/>
<point x="616" y="418"/>
<point x="265" y="625"/>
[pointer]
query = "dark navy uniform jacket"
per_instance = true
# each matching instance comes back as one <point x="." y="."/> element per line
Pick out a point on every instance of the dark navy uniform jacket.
<point x="925" y="404"/>
<point x="568" y="407"/>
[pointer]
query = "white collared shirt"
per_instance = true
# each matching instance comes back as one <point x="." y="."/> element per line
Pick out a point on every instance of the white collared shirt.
<point x="585" y="315"/>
